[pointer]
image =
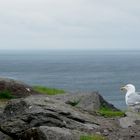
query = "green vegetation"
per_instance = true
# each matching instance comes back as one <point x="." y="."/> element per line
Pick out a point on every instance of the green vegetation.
<point x="74" y="102"/>
<point x="6" y="94"/>
<point x="108" y="112"/>
<point x="92" y="137"/>
<point x="48" y="91"/>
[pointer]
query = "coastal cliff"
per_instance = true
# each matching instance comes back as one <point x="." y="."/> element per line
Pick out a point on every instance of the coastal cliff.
<point x="31" y="115"/>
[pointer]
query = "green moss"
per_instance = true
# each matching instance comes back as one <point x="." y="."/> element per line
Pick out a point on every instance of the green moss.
<point x="74" y="102"/>
<point x="49" y="91"/>
<point x="111" y="113"/>
<point x="6" y="94"/>
<point x="92" y="137"/>
<point x="107" y="112"/>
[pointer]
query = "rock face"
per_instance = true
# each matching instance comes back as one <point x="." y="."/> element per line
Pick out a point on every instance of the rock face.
<point x="16" y="88"/>
<point x="4" y="137"/>
<point x="40" y="117"/>
<point x="21" y="115"/>
<point x="131" y="119"/>
<point x="51" y="133"/>
<point x="87" y="101"/>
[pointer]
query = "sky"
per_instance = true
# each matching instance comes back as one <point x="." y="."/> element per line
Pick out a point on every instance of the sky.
<point x="69" y="24"/>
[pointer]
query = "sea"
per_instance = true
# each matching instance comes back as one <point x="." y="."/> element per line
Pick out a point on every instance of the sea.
<point x="75" y="70"/>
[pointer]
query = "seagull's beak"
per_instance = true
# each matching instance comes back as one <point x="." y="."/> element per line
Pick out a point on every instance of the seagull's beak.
<point x="123" y="88"/>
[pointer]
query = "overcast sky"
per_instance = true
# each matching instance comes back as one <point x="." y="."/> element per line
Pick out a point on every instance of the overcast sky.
<point x="79" y="24"/>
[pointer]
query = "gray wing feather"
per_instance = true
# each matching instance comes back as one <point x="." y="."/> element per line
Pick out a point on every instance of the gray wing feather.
<point x="135" y="98"/>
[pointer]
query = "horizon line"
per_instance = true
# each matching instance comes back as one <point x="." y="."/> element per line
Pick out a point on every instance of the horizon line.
<point x="68" y="49"/>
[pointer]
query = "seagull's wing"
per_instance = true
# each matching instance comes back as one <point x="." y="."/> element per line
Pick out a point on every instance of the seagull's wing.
<point x="134" y="98"/>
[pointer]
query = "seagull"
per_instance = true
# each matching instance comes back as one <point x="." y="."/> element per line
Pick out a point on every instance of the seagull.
<point x="132" y="98"/>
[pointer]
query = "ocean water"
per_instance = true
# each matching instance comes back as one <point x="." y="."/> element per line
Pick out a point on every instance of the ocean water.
<point x="103" y="71"/>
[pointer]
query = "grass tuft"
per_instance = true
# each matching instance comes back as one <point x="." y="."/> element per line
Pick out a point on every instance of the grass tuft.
<point x="92" y="137"/>
<point x="6" y="94"/>
<point x="107" y="112"/>
<point x="48" y="91"/>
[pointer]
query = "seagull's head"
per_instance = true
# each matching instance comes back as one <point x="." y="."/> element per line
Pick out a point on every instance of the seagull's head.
<point x="128" y="88"/>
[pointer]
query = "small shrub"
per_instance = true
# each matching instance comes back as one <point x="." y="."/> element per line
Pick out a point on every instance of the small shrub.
<point x="6" y="94"/>
<point x="49" y="91"/>
<point x="92" y="137"/>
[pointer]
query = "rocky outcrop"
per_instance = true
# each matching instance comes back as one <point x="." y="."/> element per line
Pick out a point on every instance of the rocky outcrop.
<point x="61" y="117"/>
<point x="90" y="102"/>
<point x="17" y="89"/>
<point x="4" y="137"/>
<point x="131" y="119"/>
<point x="39" y="117"/>
<point x="50" y="133"/>
<point x="21" y="115"/>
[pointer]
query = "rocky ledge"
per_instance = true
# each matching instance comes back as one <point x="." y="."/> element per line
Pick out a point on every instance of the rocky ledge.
<point x="18" y="89"/>
<point x="64" y="117"/>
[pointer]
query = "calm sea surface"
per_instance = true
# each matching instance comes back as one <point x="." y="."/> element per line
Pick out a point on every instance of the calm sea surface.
<point x="75" y="70"/>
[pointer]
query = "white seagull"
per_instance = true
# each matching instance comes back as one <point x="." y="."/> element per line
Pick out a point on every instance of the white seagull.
<point x="132" y="98"/>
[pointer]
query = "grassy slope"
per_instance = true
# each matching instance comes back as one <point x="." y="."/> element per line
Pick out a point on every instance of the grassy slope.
<point x="107" y="112"/>
<point x="6" y="94"/>
<point x="48" y="91"/>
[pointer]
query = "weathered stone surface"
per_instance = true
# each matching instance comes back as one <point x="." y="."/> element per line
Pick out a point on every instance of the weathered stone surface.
<point x="21" y="115"/>
<point x="131" y="119"/>
<point x="56" y="133"/>
<point x="4" y="137"/>
<point x="135" y="108"/>
<point x="17" y="88"/>
<point x="87" y="101"/>
<point x="50" y="133"/>
<point x="39" y="117"/>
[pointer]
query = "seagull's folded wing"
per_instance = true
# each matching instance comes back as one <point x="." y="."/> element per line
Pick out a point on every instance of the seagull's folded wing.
<point x="135" y="98"/>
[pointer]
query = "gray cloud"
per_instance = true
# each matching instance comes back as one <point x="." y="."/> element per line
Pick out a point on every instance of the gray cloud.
<point x="69" y="24"/>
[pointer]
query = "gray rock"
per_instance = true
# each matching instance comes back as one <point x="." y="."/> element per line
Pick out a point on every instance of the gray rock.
<point x="131" y="119"/>
<point x="4" y="137"/>
<point x="87" y="101"/>
<point x="135" y="108"/>
<point x="50" y="133"/>
<point x="56" y="133"/>
<point x="21" y="115"/>
<point x="17" y="88"/>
